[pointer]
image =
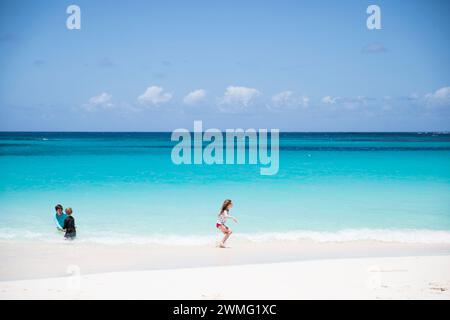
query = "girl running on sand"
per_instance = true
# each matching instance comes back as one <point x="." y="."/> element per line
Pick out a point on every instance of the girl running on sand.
<point x="222" y="218"/>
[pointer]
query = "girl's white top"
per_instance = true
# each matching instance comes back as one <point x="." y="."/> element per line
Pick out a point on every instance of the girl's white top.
<point x="223" y="216"/>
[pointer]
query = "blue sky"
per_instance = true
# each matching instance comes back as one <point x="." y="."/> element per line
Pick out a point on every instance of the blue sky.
<point x="160" y="65"/>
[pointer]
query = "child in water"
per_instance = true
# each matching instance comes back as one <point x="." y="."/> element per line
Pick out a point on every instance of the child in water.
<point x="69" y="225"/>
<point x="222" y="218"/>
<point x="60" y="216"/>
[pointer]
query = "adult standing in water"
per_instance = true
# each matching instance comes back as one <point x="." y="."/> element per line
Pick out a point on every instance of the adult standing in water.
<point x="69" y="225"/>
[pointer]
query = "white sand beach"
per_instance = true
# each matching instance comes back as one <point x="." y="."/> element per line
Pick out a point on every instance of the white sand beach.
<point x="245" y="271"/>
<point x="359" y="278"/>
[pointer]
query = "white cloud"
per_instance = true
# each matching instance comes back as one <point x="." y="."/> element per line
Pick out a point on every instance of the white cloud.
<point x="414" y="96"/>
<point x="439" y="98"/>
<point x="287" y="100"/>
<point x="194" y="97"/>
<point x="101" y="101"/>
<point x="154" y="96"/>
<point x="351" y="103"/>
<point x="238" y="99"/>
<point x="330" y="100"/>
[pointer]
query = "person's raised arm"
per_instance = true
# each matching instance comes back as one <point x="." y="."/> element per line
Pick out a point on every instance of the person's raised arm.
<point x="231" y="217"/>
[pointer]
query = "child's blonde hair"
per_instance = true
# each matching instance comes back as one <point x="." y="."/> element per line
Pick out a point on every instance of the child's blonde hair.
<point x="69" y="211"/>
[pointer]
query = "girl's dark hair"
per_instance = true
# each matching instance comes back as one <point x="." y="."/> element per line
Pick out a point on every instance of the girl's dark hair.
<point x="58" y="206"/>
<point x="225" y="205"/>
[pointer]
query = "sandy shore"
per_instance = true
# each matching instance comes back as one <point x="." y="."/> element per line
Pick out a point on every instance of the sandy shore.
<point x="32" y="260"/>
<point x="358" y="278"/>
<point x="275" y="270"/>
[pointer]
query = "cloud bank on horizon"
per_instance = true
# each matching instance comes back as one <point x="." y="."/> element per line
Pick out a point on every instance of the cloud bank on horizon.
<point x="285" y="65"/>
<point x="238" y="99"/>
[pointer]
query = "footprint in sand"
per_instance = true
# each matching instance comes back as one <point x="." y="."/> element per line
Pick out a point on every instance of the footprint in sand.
<point x="214" y="296"/>
<point x="436" y="287"/>
<point x="439" y="289"/>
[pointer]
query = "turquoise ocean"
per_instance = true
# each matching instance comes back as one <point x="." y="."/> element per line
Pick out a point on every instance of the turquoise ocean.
<point x="124" y="188"/>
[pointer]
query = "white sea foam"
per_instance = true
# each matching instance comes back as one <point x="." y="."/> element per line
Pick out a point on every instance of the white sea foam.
<point x="411" y="236"/>
<point x="384" y="235"/>
<point x="19" y="234"/>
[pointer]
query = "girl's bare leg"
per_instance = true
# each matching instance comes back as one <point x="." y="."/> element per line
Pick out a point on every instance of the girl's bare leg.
<point x="227" y="235"/>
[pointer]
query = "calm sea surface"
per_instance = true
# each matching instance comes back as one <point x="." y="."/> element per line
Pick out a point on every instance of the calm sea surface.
<point x="123" y="187"/>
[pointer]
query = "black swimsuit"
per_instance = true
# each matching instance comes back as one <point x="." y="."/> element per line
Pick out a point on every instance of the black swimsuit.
<point x="69" y="226"/>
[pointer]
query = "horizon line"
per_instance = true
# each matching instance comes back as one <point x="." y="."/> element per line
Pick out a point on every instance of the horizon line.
<point x="287" y="131"/>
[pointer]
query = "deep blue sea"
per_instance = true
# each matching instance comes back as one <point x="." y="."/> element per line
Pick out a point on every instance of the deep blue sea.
<point x="123" y="187"/>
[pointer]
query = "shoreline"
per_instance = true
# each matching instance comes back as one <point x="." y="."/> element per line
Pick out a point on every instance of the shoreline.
<point x="25" y="260"/>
